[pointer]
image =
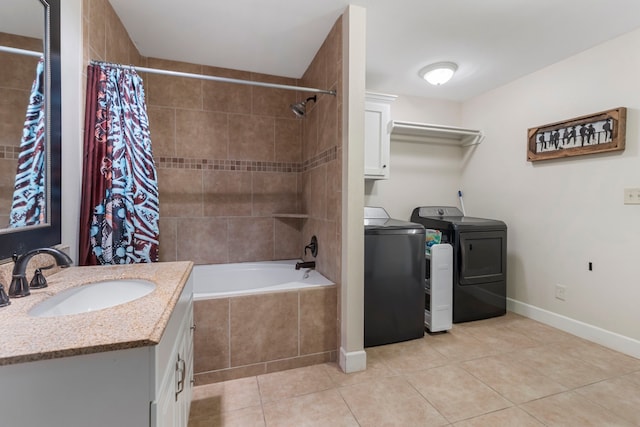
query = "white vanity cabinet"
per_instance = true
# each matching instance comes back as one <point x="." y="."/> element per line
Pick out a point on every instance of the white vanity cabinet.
<point x="377" y="115"/>
<point x="141" y="386"/>
<point x="174" y="370"/>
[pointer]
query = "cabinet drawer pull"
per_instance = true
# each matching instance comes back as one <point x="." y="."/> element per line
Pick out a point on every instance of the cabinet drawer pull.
<point x="181" y="366"/>
<point x="193" y="328"/>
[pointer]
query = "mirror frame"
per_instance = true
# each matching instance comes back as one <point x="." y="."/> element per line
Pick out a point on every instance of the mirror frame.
<point x="19" y="241"/>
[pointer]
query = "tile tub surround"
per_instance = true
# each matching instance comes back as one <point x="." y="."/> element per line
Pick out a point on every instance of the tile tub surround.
<point x="255" y="334"/>
<point x="138" y="323"/>
<point x="16" y="74"/>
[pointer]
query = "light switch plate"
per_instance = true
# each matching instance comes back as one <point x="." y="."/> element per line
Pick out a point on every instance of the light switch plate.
<point x="632" y="196"/>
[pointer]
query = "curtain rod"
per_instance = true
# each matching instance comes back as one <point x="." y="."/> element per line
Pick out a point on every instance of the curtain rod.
<point x="215" y="78"/>
<point x="19" y="51"/>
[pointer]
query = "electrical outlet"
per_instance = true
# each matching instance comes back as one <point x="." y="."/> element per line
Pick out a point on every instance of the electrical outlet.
<point x="561" y="292"/>
<point x="632" y="196"/>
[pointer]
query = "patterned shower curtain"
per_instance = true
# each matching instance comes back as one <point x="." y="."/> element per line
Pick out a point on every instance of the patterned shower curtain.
<point x="119" y="208"/>
<point x="28" y="205"/>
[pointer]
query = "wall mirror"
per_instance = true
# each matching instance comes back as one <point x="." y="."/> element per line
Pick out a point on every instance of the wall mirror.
<point x="34" y="26"/>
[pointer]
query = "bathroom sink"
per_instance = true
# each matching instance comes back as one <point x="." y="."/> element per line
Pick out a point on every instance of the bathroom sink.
<point x="92" y="297"/>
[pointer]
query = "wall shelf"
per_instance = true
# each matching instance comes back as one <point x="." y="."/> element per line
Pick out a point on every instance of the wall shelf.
<point x="434" y="134"/>
<point x="290" y="215"/>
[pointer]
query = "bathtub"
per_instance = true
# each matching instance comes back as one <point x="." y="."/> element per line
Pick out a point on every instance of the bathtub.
<point x="250" y="278"/>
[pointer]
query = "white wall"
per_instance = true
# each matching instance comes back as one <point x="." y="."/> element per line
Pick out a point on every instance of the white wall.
<point x="563" y="214"/>
<point x="420" y="174"/>
<point x="72" y="110"/>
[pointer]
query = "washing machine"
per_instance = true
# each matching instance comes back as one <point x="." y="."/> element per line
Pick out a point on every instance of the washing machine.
<point x="394" y="274"/>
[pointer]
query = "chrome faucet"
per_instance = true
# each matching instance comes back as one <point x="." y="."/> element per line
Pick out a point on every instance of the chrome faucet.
<point x="19" y="285"/>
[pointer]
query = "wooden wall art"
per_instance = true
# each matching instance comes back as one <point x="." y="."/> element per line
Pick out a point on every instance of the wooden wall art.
<point x="596" y="133"/>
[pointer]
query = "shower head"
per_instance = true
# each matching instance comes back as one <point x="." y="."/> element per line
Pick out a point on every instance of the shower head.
<point x="300" y="109"/>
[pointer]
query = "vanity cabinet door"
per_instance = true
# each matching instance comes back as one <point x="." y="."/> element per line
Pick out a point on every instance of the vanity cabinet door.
<point x="174" y="366"/>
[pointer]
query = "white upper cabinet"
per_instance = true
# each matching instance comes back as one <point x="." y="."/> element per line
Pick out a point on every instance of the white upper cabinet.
<point x="377" y="116"/>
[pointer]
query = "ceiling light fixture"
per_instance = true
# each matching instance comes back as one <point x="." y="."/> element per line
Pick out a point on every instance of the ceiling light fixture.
<point x="438" y="73"/>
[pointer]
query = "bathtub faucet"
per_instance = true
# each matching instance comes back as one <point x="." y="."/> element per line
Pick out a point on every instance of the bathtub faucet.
<point x="313" y="247"/>
<point x="305" y="264"/>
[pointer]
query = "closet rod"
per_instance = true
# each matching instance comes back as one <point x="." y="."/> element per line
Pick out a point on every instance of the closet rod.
<point x="216" y="78"/>
<point x="20" y="51"/>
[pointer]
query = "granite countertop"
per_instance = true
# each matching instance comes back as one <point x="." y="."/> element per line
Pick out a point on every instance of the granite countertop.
<point x="137" y="323"/>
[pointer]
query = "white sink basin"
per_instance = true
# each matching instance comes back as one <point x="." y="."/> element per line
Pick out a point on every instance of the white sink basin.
<point x="92" y="297"/>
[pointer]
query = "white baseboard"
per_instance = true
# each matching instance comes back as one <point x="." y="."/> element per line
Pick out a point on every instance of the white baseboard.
<point x="589" y="332"/>
<point x="353" y="361"/>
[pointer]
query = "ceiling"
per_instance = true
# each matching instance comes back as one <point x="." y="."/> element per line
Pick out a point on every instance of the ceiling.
<point x="492" y="41"/>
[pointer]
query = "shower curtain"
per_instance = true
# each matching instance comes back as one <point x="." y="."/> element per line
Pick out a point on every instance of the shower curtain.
<point x="119" y="209"/>
<point x="29" y="199"/>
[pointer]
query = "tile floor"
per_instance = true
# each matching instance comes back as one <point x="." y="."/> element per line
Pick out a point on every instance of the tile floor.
<point x="506" y="371"/>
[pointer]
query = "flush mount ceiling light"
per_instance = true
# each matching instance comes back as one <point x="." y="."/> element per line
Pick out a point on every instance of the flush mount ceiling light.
<point x="438" y="73"/>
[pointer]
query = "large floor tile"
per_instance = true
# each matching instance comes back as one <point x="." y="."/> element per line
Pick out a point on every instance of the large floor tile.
<point x="325" y="408"/>
<point x="563" y="368"/>
<point x="226" y="396"/>
<point x="458" y="344"/>
<point x="408" y="356"/>
<point x="294" y="382"/>
<point x="517" y="382"/>
<point x="455" y="393"/>
<point x="611" y="362"/>
<point x="247" y="417"/>
<point x="376" y="368"/>
<point x="390" y="401"/>
<point x="510" y="417"/>
<point x="620" y="395"/>
<point x="571" y="409"/>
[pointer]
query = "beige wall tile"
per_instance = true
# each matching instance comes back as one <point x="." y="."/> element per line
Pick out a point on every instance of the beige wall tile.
<point x="201" y="134"/>
<point x="273" y="102"/>
<point x="288" y="141"/>
<point x="287" y="238"/>
<point x="97" y="23"/>
<point x="333" y="47"/>
<point x="13" y="108"/>
<point x="318" y="311"/>
<point x="168" y="91"/>
<point x="250" y="239"/>
<point x="227" y="97"/>
<point x="211" y="337"/>
<point x="315" y="192"/>
<point x="327" y="123"/>
<point x="227" y="193"/>
<point x="203" y="240"/>
<point x="334" y="190"/>
<point x="117" y="48"/>
<point x="162" y="127"/>
<point x="251" y="137"/>
<point x="274" y="192"/>
<point x="168" y="239"/>
<point x="309" y="136"/>
<point x="264" y="327"/>
<point x="180" y="192"/>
